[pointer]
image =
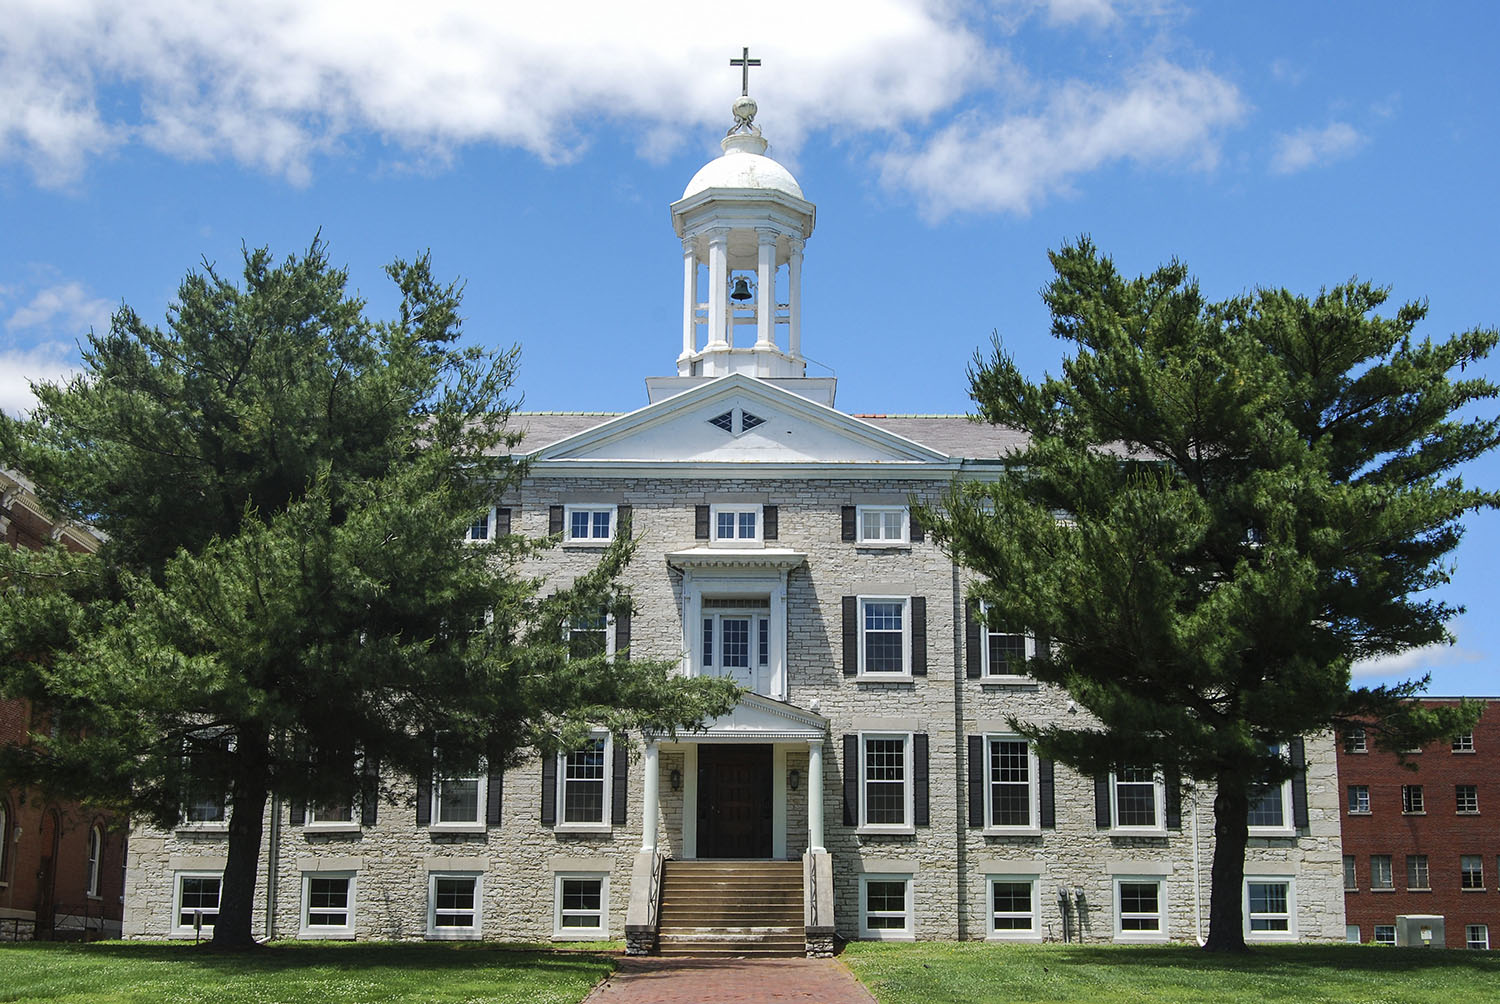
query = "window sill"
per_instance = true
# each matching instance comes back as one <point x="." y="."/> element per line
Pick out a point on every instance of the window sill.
<point x="887" y="936"/>
<point x="1032" y="936"/>
<point x="886" y="831"/>
<point x="1012" y="831"/>
<point x="1137" y="831"/>
<point x="1419" y="888"/>
<point x="1466" y="812"/>
<point x="443" y="829"/>
<point x="885" y="678"/>
<point x="180" y="935"/>
<point x="585" y="545"/>
<point x="1422" y="813"/>
<point x="1383" y="889"/>
<point x="93" y="896"/>
<point x="1360" y="812"/>
<point x="1141" y="938"/>
<point x="1270" y="937"/>
<point x="1009" y="682"/>
<point x="594" y="828"/>
<point x="325" y="935"/>
<point x="882" y="545"/>
<point x="313" y="828"/>
<point x="1479" y="889"/>
<point x="1463" y="752"/>
<point x="1273" y="832"/>
<point x="454" y="934"/>
<point x="580" y="934"/>
<point x="214" y="829"/>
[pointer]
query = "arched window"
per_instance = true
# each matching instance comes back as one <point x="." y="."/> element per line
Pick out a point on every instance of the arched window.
<point x="96" y="847"/>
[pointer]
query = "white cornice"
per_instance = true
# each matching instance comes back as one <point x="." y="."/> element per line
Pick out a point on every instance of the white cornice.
<point x="778" y="558"/>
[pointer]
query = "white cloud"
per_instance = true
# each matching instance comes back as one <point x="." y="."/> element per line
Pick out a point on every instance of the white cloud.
<point x="272" y="84"/>
<point x="1311" y="147"/>
<point x="1414" y="662"/>
<point x="1162" y="113"/>
<point x="19" y="368"/>
<point x="66" y="309"/>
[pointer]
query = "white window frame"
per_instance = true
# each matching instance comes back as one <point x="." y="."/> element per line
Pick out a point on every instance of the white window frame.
<point x="1354" y="741"/>
<point x="307" y="929"/>
<point x="1351" y="934"/>
<point x="755" y="510"/>
<point x="331" y="823"/>
<point x="1390" y="872"/>
<point x="1458" y="799"/>
<point x="1464" y="872"/>
<point x="1284" y="789"/>
<point x="1463" y="742"/>
<point x="1159" y="801"/>
<point x="905" y="672"/>
<point x="5" y="841"/>
<point x="178" y="928"/>
<point x="907" y="793"/>
<point x="1141" y="937"/>
<point x="1477" y="937"/>
<point x="1351" y="873"/>
<point x="561" y="933"/>
<point x="490" y="517"/>
<point x="570" y="627"/>
<point x="1383" y="934"/>
<point x="614" y="523"/>
<point x="905" y="933"/>
<point x="991" y="933"/>
<point x="1033" y="786"/>
<point x="1358" y="795"/>
<point x="453" y="933"/>
<point x="904" y="537"/>
<point x="1426" y="872"/>
<point x="1413" y="800"/>
<point x="475" y="825"/>
<point x="95" y="856"/>
<point x="603" y="824"/>
<point x="1290" y="934"/>
<point x="985" y="640"/>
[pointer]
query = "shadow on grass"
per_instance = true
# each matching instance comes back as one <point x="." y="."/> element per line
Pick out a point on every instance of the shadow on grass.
<point x="1284" y="960"/>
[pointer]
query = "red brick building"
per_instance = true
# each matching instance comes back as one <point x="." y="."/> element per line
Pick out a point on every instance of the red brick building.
<point x="1424" y="841"/>
<point x="61" y="863"/>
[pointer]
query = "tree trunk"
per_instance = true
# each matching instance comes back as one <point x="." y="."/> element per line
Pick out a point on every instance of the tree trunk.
<point x="247" y="811"/>
<point x="1226" y="931"/>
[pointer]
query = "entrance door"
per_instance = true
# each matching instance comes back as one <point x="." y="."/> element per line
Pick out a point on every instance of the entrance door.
<point x="734" y="801"/>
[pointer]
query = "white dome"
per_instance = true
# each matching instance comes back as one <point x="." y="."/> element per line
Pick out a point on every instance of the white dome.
<point x="741" y="168"/>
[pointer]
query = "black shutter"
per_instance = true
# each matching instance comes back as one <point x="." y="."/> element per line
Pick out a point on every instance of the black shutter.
<point x="622" y="631"/>
<point x="1299" y="783"/>
<point x="917" y="530"/>
<point x="554" y="520"/>
<point x="919" y="636"/>
<point x="976" y="780"/>
<point x="549" y="789"/>
<point x="851" y="780"/>
<point x="369" y="792"/>
<point x="502" y="521"/>
<point x="623" y="515"/>
<point x="851" y="635"/>
<point x="1046" y="786"/>
<point x="973" y="663"/>
<point x="621" y="783"/>
<point x="846" y="515"/>
<point x="1101" y="802"/>
<point x="920" y="811"/>
<point x="1174" y="802"/>
<point x="298" y="812"/>
<point x="700" y="522"/>
<point x="424" y="799"/>
<point x="768" y="520"/>
<point x="493" y="797"/>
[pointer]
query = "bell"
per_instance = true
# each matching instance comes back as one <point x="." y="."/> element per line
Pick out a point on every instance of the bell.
<point x="741" y="290"/>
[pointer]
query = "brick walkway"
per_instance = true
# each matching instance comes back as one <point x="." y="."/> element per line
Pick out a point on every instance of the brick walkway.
<point x="730" y="981"/>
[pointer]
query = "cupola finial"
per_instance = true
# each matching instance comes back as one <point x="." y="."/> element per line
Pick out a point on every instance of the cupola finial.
<point x="744" y="106"/>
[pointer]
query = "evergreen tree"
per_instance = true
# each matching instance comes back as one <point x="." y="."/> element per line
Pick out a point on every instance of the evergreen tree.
<point x="285" y="603"/>
<point x="1221" y="507"/>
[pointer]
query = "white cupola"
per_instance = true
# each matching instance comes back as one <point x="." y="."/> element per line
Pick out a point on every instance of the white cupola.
<point x="743" y="221"/>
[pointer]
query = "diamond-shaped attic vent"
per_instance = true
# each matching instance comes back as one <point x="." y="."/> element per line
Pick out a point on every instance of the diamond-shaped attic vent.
<point x="749" y="421"/>
<point x="724" y="421"/>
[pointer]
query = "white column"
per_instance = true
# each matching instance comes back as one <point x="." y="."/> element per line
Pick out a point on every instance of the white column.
<point x="652" y="797"/>
<point x="718" y="290"/>
<point x="778" y="801"/>
<point x="765" y="301"/>
<point x="690" y="801"/>
<point x="689" y="297"/>
<point x="794" y="299"/>
<point x="815" y="795"/>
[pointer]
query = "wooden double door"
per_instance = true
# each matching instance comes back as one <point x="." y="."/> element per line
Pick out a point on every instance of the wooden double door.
<point x="734" y="800"/>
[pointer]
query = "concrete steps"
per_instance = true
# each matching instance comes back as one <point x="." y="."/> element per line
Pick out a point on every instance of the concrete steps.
<point x="731" y="908"/>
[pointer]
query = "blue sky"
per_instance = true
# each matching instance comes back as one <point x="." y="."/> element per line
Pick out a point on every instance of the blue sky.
<point x="948" y="146"/>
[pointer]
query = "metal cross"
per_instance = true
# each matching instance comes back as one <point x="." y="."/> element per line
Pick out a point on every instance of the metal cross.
<point x="745" y="62"/>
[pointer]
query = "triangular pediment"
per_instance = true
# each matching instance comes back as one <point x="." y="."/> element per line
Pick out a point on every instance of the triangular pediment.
<point x="709" y="425"/>
<point x="761" y="718"/>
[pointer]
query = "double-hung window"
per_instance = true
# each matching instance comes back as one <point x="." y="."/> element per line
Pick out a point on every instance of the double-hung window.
<point x="885" y="791"/>
<point x="590" y="635"/>
<point x="453" y="905"/>
<point x="1417" y="876"/>
<point x="95" y="852"/>
<point x="1354" y="741"/>
<point x="197" y="906"/>
<point x="1385" y="934"/>
<point x="1477" y="937"/>
<point x="582" y="905"/>
<point x="483" y="528"/>
<point x="1140" y="909"/>
<point x="885" y="640"/>
<point x="1271" y="804"/>
<point x="1412" y="802"/>
<point x="458" y="802"/>
<point x="589" y="524"/>
<point x="1137" y="795"/>
<point x="1470" y="871"/>
<point x="1380" y="872"/>
<point x="1012" y="908"/>
<point x="1463" y="742"/>
<point x="1003" y="652"/>
<point x="338" y="813"/>
<point x="1351" y="881"/>
<point x="882" y="524"/>
<point x="1011" y="790"/>
<point x="1467" y="798"/>
<point x="1359" y="799"/>
<point x="327" y="904"/>
<point x="583" y="784"/>
<point x="1270" y="909"/>
<point x="735" y="524"/>
<point x="885" y="907"/>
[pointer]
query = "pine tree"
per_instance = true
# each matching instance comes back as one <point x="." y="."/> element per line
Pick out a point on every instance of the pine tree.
<point x="1220" y="508"/>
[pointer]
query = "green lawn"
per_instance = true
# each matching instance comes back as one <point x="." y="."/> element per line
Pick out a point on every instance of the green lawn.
<point x="970" y="973"/>
<point x="134" y="973"/>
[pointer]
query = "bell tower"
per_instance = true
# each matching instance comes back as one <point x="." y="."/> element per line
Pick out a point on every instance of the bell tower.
<point x="743" y="223"/>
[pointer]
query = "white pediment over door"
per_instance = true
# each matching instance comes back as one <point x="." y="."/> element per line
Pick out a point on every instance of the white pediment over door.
<point x="741" y="420"/>
<point x="762" y="719"/>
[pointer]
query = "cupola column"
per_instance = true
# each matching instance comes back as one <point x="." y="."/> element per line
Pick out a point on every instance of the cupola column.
<point x="794" y="299"/>
<point x="718" y="289"/>
<point x="765" y="301"/>
<point x="689" y="298"/>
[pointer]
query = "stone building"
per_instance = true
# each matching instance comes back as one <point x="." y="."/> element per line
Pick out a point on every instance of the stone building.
<point x="1416" y="841"/>
<point x="867" y="787"/>
<point x="61" y="862"/>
